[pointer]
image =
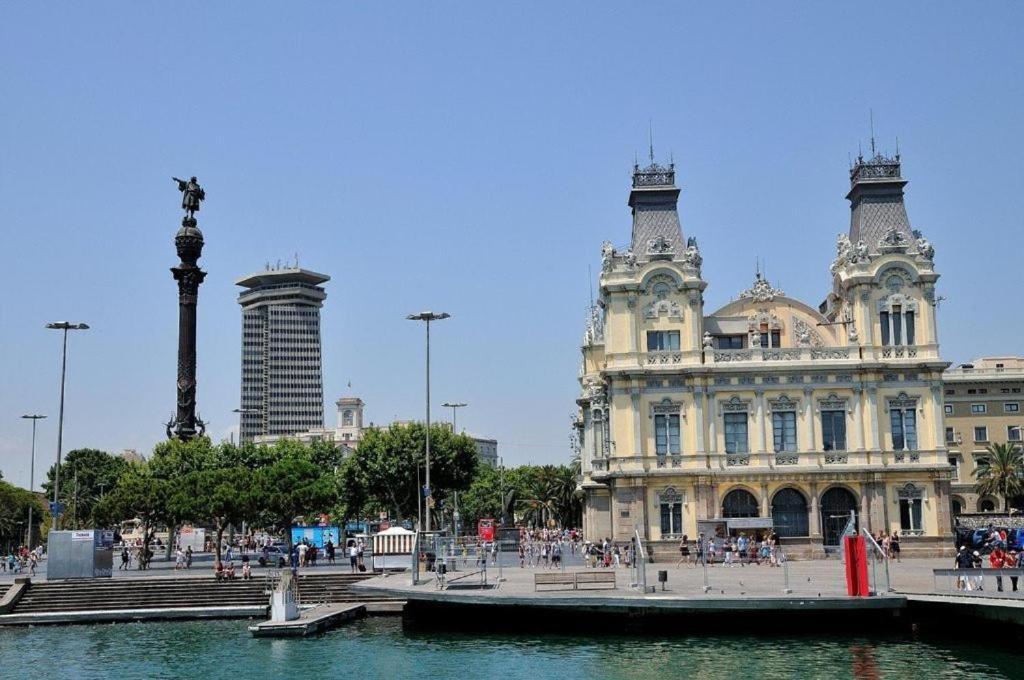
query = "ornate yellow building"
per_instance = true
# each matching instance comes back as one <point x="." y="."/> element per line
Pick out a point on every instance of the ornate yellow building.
<point x="767" y="407"/>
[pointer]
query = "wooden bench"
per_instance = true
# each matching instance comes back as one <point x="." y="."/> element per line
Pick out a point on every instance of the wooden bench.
<point x="601" y="577"/>
<point x="561" y="581"/>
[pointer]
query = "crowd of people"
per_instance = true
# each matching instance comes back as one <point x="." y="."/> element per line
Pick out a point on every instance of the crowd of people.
<point x="1001" y="556"/>
<point x="21" y="560"/>
<point x="729" y="551"/>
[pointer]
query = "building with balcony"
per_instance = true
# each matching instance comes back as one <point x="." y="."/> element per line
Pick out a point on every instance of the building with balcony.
<point x="768" y="411"/>
<point x="983" y="401"/>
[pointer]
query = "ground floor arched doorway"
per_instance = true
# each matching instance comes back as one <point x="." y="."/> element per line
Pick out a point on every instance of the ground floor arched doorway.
<point x="836" y="505"/>
<point x="789" y="513"/>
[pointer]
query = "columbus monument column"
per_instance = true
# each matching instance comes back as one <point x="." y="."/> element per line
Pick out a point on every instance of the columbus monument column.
<point x="185" y="425"/>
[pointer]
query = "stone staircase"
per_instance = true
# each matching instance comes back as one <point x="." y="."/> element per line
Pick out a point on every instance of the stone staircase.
<point x="182" y="592"/>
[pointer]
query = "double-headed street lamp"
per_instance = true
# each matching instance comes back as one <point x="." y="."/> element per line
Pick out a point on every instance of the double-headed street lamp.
<point x="428" y="317"/>
<point x="62" y="326"/>
<point x="455" y="430"/>
<point x="34" y="417"/>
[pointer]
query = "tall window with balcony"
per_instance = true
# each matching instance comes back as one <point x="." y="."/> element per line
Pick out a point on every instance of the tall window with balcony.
<point x="903" y="423"/>
<point x="666" y="437"/>
<point x="910" y="498"/>
<point x="1013" y="433"/>
<point x="670" y="505"/>
<point x="662" y="341"/>
<point x="897" y="319"/>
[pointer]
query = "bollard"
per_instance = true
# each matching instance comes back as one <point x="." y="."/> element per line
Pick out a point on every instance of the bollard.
<point x="662" y="579"/>
<point x="785" y="574"/>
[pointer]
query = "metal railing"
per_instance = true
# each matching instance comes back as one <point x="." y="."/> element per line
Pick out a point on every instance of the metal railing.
<point x="638" y="565"/>
<point x="971" y="582"/>
<point x="878" y="554"/>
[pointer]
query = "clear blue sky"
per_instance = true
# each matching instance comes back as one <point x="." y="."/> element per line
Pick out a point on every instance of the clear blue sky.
<point x="470" y="158"/>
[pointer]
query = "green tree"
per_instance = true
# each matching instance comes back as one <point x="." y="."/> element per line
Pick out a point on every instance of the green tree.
<point x="1001" y="472"/>
<point x="387" y="462"/>
<point x="292" y="487"/>
<point x="14" y="505"/>
<point x="140" y="495"/>
<point x="222" y="496"/>
<point x="85" y="476"/>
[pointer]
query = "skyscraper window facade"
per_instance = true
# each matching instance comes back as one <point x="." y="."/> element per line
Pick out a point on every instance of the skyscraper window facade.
<point x="282" y="384"/>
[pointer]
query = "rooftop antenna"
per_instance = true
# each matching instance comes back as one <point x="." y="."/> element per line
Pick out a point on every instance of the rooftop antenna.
<point x="897" y="147"/>
<point x="871" y="115"/>
<point x="650" y="138"/>
<point x="296" y="260"/>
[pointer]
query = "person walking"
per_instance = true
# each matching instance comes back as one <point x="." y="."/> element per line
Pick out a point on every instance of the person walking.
<point x="963" y="560"/>
<point x="684" y="551"/>
<point x="894" y="546"/>
<point x="188" y="557"/>
<point x="125" y="558"/>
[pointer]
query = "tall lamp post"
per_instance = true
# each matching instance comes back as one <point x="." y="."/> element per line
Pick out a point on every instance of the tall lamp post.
<point x="453" y="407"/>
<point x="62" y="326"/>
<point x="427" y="317"/>
<point x="34" y="417"/>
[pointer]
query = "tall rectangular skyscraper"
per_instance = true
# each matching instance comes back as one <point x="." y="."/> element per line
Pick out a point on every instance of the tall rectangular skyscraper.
<point x="282" y="385"/>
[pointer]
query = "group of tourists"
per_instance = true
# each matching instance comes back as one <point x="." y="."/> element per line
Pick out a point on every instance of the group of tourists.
<point x="731" y="550"/>
<point x="890" y="545"/>
<point x="225" y="571"/>
<point x="134" y="553"/>
<point x="21" y="560"/>
<point x="998" y="559"/>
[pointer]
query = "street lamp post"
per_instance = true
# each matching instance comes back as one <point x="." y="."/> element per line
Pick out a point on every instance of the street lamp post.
<point x="62" y="326"/>
<point x="34" y="417"/>
<point x="243" y="412"/>
<point x="427" y="317"/>
<point x="453" y="407"/>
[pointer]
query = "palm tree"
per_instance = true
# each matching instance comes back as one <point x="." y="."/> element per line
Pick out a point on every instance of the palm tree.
<point x="1001" y="472"/>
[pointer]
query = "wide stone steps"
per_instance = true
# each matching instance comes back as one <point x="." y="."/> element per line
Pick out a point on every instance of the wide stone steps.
<point x="169" y="593"/>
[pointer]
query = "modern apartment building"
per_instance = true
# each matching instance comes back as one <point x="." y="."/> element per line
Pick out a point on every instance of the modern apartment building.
<point x="983" y="405"/>
<point x="282" y="386"/>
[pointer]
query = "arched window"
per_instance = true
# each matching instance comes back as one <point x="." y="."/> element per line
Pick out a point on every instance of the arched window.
<point x="789" y="513"/>
<point x="739" y="503"/>
<point x="986" y="505"/>
<point x="346" y="418"/>
<point x="836" y="505"/>
<point x="957" y="505"/>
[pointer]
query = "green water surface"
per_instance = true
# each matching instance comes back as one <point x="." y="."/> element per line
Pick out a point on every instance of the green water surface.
<point x="381" y="648"/>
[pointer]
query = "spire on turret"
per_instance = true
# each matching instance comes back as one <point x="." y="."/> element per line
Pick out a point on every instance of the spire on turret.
<point x="657" y="233"/>
<point x="877" y="210"/>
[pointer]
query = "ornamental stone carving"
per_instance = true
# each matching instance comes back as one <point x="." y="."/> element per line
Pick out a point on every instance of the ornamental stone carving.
<point x="805" y="335"/>
<point x="782" y="403"/>
<point x="670" y="496"/>
<point x="762" y="291"/>
<point x="667" y="407"/>
<point x="629" y="259"/>
<point x="663" y="307"/>
<point x="660" y="246"/>
<point x="691" y="256"/>
<point x="607" y="253"/>
<point x="894" y="241"/>
<point x="848" y="252"/>
<point x="924" y="248"/>
<point x="708" y="341"/>
<point x="593" y="389"/>
<point x="594" y="334"/>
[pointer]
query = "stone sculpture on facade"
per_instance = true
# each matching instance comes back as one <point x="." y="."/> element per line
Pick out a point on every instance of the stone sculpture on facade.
<point x="762" y="291"/>
<point x="708" y="340"/>
<point x="607" y="253"/>
<point x="894" y="240"/>
<point x="848" y="252"/>
<point x="691" y="256"/>
<point x="659" y="246"/>
<point x="924" y="246"/>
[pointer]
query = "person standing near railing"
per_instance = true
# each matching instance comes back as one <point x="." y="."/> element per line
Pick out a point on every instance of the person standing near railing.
<point x="1012" y="562"/>
<point x="997" y="560"/>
